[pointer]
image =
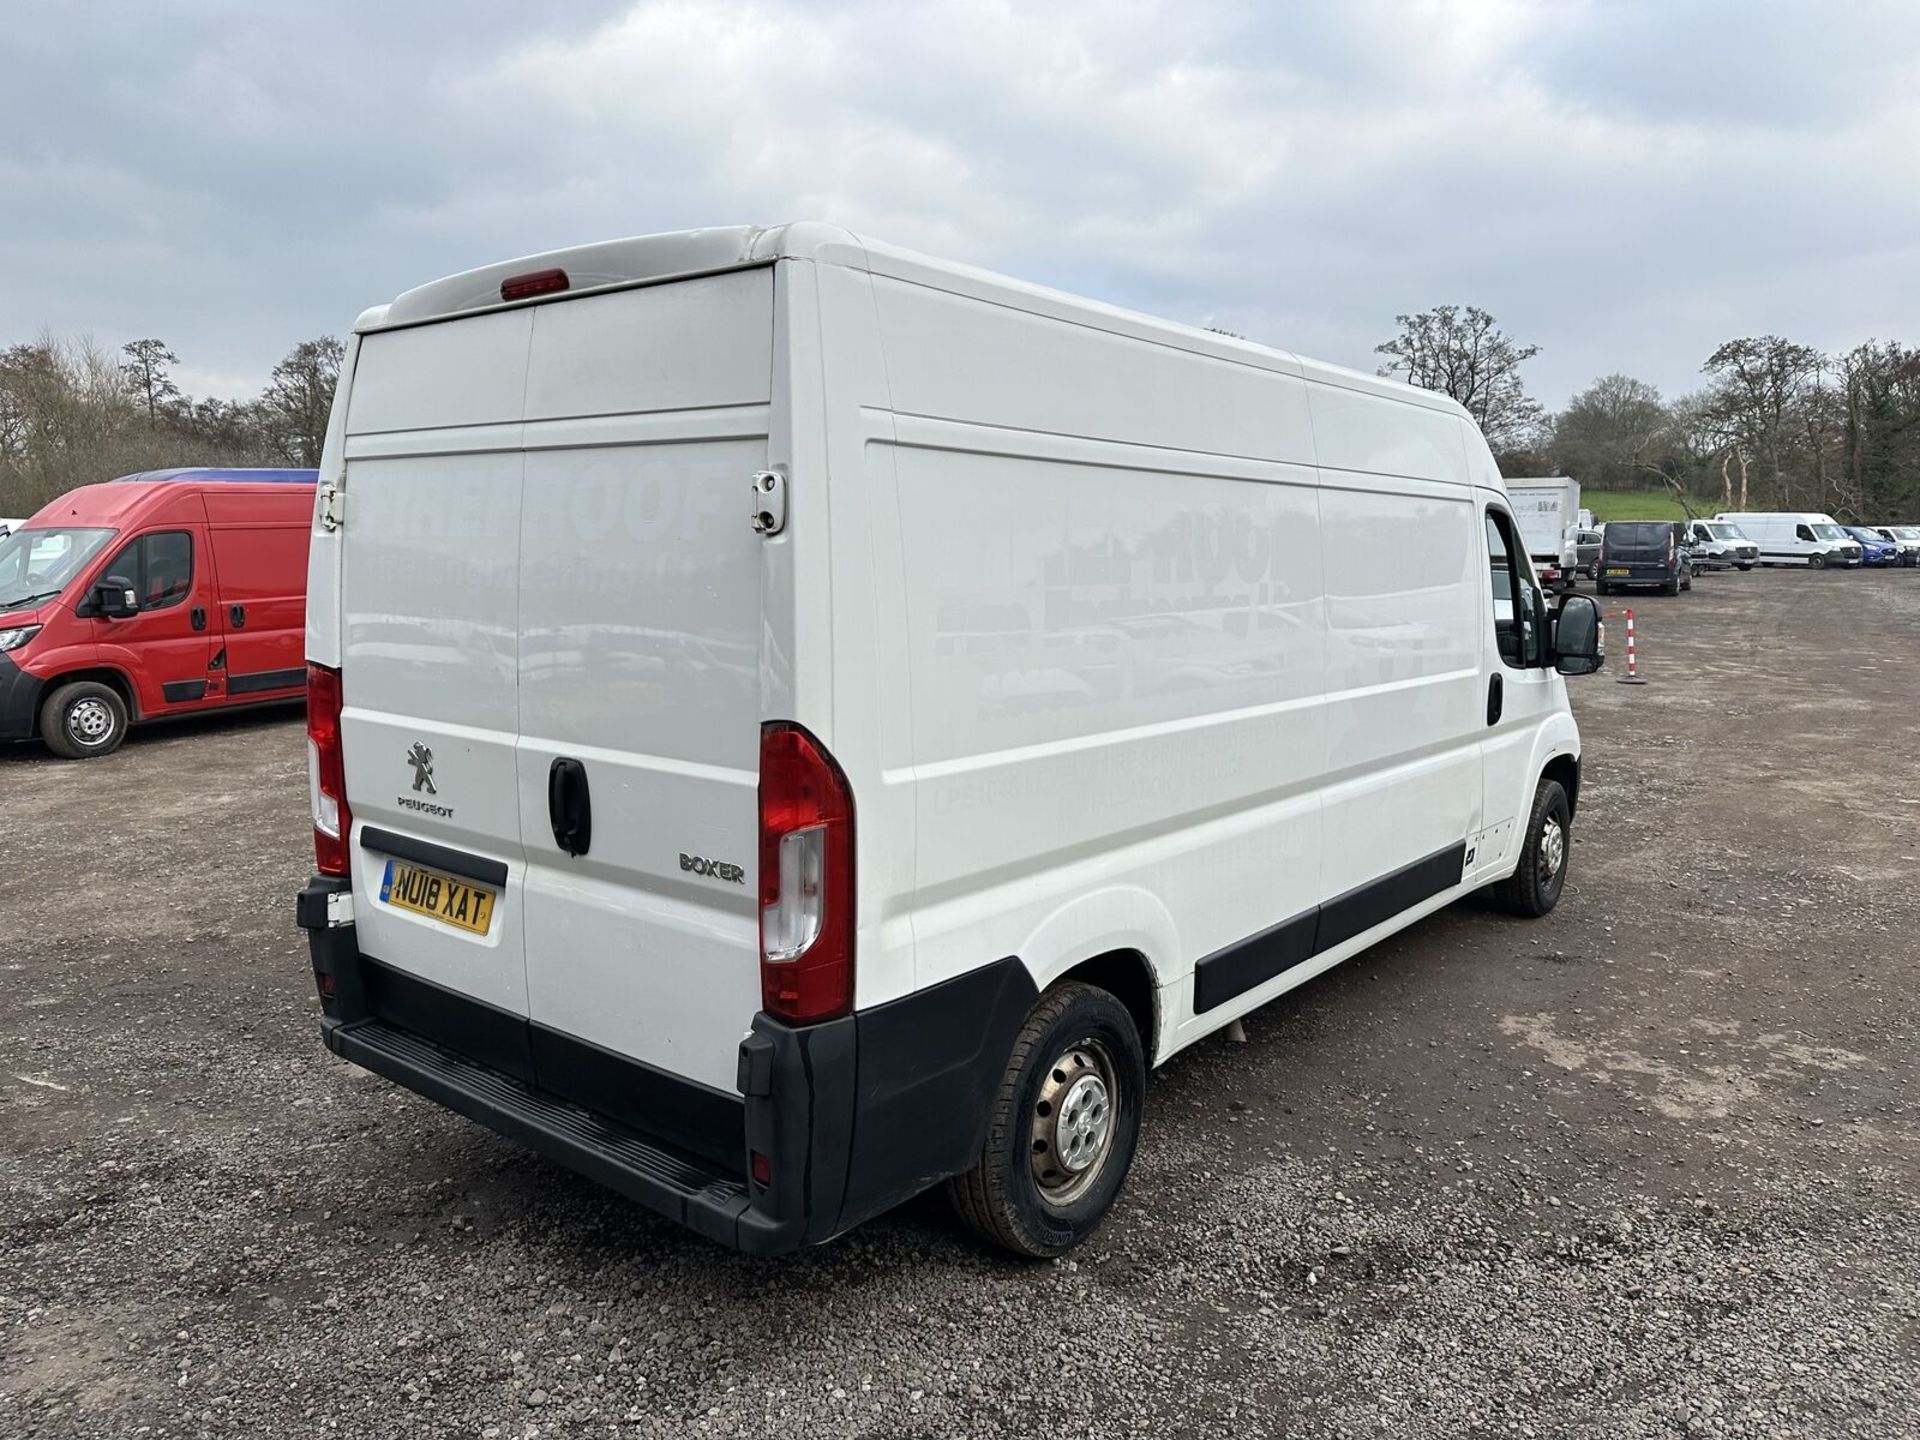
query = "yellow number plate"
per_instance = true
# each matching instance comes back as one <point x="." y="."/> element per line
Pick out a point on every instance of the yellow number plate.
<point x="1616" y="572"/>
<point x="439" y="897"/>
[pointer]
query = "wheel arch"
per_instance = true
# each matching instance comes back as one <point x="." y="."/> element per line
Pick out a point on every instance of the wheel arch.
<point x="1565" y="768"/>
<point x="113" y="678"/>
<point x="1121" y="939"/>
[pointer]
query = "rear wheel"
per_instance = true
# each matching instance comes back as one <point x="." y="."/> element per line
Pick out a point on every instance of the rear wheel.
<point x="84" y="719"/>
<point x="1062" y="1130"/>
<point x="1686" y="579"/>
<point x="1534" y="888"/>
<point x="1672" y="587"/>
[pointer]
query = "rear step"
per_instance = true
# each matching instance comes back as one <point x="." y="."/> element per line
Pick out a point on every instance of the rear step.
<point x="663" y="1178"/>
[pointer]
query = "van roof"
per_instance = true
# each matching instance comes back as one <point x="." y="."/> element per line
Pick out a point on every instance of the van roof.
<point x="681" y="254"/>
<point x="132" y="498"/>
<point x="218" y="476"/>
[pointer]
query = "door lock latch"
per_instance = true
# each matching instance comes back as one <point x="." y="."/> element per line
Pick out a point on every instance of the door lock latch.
<point x="769" y="502"/>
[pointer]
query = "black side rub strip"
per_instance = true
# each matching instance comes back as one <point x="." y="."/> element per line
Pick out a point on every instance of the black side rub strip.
<point x="260" y="680"/>
<point x="440" y="857"/>
<point x="1257" y="959"/>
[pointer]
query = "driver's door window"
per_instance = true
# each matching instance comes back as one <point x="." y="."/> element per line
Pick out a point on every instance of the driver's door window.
<point x="157" y="568"/>
<point x="1515" y="609"/>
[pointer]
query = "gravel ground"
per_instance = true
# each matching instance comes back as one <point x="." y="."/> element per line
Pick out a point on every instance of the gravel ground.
<point x="1645" y="1168"/>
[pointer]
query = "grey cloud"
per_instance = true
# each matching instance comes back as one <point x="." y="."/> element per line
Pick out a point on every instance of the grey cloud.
<point x="1624" y="183"/>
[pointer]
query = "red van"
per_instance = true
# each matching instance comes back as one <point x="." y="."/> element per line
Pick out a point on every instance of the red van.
<point x="165" y="593"/>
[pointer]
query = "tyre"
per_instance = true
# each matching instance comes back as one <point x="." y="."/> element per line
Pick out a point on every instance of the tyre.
<point x="1062" y="1129"/>
<point x="1817" y="561"/>
<point x="83" y="720"/>
<point x="1686" y="580"/>
<point x="1745" y="568"/>
<point x="1534" y="887"/>
<point x="1672" y="587"/>
<point x="1600" y="587"/>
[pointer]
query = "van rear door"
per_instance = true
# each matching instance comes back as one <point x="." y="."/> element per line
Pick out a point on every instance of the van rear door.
<point x="430" y="640"/>
<point x="639" y="585"/>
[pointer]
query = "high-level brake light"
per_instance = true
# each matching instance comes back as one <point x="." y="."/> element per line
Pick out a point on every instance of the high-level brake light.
<point x="534" y="282"/>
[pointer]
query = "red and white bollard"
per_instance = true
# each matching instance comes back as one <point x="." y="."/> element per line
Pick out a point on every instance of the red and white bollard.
<point x="1632" y="677"/>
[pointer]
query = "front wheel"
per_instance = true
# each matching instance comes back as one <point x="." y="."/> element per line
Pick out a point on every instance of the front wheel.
<point x="83" y="720"/>
<point x="1746" y="568"/>
<point x="1534" y="887"/>
<point x="1818" y="562"/>
<point x="1062" y="1130"/>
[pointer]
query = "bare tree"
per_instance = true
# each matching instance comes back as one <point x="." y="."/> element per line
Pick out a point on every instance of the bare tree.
<point x="146" y="371"/>
<point x="1610" y="435"/>
<point x="293" y="410"/>
<point x="1466" y="355"/>
<point x="1759" y="383"/>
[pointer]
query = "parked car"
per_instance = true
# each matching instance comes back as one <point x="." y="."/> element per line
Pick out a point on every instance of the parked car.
<point x="1008" y="800"/>
<point x="1721" y="544"/>
<point x="1875" y="549"/>
<point x="1907" y="537"/>
<point x="1587" y="553"/>
<point x="1797" y="537"/>
<point x="1638" y="553"/>
<point x="156" y="595"/>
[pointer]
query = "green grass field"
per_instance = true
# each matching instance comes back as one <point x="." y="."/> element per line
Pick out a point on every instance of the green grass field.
<point x="1639" y="505"/>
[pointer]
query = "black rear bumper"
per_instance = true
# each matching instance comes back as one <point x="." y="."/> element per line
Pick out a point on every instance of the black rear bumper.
<point x="852" y="1115"/>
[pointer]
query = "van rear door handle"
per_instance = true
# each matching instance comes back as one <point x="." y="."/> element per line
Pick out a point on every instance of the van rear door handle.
<point x="1495" y="688"/>
<point x="570" y="805"/>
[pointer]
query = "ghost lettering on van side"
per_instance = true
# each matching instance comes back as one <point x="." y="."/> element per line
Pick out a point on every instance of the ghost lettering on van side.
<point x="714" y="869"/>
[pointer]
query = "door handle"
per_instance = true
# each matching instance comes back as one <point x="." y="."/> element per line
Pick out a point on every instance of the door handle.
<point x="198" y="615"/>
<point x="570" y="805"/>
<point x="1496" y="688"/>
<point x="237" y="616"/>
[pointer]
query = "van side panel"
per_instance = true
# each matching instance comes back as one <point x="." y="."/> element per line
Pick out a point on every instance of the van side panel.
<point x="1116" y="639"/>
<point x="1404" y="689"/>
<point x="259" y="553"/>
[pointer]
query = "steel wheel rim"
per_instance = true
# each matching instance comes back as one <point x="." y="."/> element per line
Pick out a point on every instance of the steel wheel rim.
<point x="90" y="722"/>
<point x="1071" y="1137"/>
<point x="1553" y="849"/>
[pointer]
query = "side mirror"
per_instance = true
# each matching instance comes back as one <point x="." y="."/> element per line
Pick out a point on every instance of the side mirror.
<point x="115" y="598"/>
<point x="1579" y="643"/>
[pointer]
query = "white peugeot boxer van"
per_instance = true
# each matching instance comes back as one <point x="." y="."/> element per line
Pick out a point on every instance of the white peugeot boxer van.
<point x="794" y="722"/>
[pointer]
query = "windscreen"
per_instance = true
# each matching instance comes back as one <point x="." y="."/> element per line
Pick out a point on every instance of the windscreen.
<point x="1648" y="538"/>
<point x="35" y="565"/>
<point x="1830" y="532"/>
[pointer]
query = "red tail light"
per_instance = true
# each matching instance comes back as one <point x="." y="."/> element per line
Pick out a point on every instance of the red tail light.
<point x="327" y="771"/>
<point x="806" y="878"/>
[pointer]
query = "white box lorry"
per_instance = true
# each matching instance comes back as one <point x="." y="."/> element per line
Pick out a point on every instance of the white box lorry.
<point x="1548" y="510"/>
<point x="794" y="722"/>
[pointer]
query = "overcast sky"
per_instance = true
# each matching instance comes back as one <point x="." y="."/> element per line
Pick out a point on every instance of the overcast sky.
<point x="1624" y="184"/>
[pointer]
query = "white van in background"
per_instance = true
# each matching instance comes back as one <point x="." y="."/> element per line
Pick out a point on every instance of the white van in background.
<point x="794" y="721"/>
<point x="1796" y="537"/>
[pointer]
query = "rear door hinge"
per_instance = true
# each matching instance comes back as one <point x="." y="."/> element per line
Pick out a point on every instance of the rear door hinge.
<point x="769" y="502"/>
<point x="333" y="505"/>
